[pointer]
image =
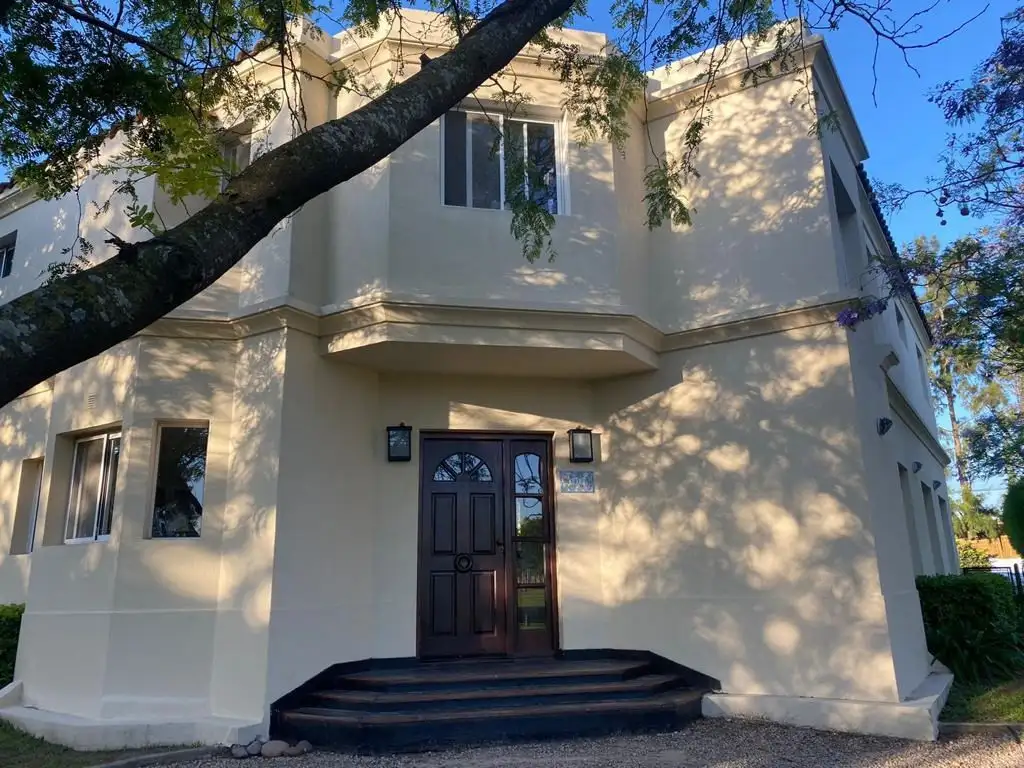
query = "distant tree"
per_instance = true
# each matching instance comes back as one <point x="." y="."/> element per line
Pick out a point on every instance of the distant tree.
<point x="995" y="444"/>
<point x="971" y="556"/>
<point x="1013" y="515"/>
<point x="972" y="520"/>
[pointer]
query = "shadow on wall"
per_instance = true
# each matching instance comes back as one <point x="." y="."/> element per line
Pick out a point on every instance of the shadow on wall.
<point x="47" y="229"/>
<point x="734" y="532"/>
<point x="207" y="597"/>
<point x="761" y="233"/>
<point x="432" y="258"/>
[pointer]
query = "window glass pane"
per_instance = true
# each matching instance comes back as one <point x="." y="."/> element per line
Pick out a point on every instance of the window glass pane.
<point x="466" y="466"/>
<point x="6" y="260"/>
<point x="527" y="470"/>
<point x="85" y="489"/>
<point x="180" y="482"/>
<point x="530" y="518"/>
<point x="455" y="158"/>
<point x="531" y="609"/>
<point x="540" y="146"/>
<point x="112" y="457"/>
<point x="515" y="162"/>
<point x="530" y="563"/>
<point x="485" y="170"/>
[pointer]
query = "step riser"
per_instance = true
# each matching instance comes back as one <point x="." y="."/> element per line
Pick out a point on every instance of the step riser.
<point x="442" y="686"/>
<point x="533" y="699"/>
<point x="415" y="737"/>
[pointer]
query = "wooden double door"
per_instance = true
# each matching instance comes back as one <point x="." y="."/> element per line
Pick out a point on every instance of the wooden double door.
<point x="486" y="562"/>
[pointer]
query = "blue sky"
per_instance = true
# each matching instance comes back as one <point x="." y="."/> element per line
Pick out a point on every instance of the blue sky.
<point x="905" y="133"/>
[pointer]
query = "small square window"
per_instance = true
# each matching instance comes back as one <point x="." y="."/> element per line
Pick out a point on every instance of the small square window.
<point x="180" y="482"/>
<point x="93" y="481"/>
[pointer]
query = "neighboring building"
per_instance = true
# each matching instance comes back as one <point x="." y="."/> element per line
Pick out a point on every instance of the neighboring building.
<point x="204" y="517"/>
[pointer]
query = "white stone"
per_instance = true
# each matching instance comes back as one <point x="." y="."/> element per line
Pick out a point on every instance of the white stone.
<point x="274" y="748"/>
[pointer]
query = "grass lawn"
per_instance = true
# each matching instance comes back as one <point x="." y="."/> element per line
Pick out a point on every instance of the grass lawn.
<point x="18" y="750"/>
<point x="1003" y="703"/>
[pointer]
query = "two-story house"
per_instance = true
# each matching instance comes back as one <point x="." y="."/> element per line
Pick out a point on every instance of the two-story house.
<point x="384" y="434"/>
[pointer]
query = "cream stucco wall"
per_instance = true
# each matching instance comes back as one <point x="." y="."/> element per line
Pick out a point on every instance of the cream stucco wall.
<point x="736" y="533"/>
<point x="760" y="237"/>
<point x="746" y="522"/>
<point x="132" y="626"/>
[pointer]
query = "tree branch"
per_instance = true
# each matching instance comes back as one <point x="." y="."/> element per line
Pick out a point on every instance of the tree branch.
<point x="128" y="37"/>
<point x="75" y="318"/>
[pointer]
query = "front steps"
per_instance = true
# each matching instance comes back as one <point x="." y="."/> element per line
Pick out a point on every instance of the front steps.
<point x="381" y="706"/>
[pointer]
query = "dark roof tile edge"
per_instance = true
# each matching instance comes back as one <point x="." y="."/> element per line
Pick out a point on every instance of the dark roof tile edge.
<point x="873" y="199"/>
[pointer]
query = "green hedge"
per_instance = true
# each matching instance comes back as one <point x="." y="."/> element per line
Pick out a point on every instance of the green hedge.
<point x="10" y="626"/>
<point x="971" y="623"/>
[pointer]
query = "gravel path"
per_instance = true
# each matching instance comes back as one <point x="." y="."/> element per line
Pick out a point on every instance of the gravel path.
<point x="707" y="743"/>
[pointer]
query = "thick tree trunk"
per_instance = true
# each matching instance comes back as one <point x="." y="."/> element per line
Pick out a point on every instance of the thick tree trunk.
<point x="70" y="320"/>
<point x="959" y="459"/>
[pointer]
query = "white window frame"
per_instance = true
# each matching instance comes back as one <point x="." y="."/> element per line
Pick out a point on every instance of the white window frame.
<point x="105" y="437"/>
<point x="561" y="166"/>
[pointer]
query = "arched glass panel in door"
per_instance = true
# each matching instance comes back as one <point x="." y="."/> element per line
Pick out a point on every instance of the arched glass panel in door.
<point x="463" y="466"/>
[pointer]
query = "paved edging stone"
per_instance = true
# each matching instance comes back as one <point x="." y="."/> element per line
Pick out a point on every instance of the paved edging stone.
<point x="165" y="758"/>
<point x="1017" y="729"/>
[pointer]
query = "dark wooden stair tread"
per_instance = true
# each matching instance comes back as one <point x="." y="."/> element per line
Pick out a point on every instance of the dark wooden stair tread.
<point x="670" y="700"/>
<point x="394" y="706"/>
<point x="633" y="685"/>
<point x="493" y="671"/>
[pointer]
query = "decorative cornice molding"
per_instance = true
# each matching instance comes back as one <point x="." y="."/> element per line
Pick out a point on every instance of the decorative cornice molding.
<point x="909" y="416"/>
<point x="16" y="199"/>
<point x="777" y="321"/>
<point x="360" y="323"/>
<point x="42" y="388"/>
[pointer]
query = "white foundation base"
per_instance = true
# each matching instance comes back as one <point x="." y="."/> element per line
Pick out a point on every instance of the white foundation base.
<point x="122" y="733"/>
<point x="916" y="718"/>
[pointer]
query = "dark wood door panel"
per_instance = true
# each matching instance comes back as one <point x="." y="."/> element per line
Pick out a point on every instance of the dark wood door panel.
<point x="463" y="611"/>
<point x="442" y="523"/>
<point x="486" y="546"/>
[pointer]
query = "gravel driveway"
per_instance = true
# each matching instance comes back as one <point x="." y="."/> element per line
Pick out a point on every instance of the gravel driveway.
<point x="714" y="743"/>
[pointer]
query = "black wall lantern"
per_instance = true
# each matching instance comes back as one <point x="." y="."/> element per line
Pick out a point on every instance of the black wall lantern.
<point x="400" y="443"/>
<point x="581" y="445"/>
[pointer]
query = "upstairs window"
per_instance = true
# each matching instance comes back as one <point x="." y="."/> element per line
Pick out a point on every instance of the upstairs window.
<point x="901" y="326"/>
<point x="236" y="153"/>
<point x="923" y="369"/>
<point x="7" y="253"/>
<point x="93" y="478"/>
<point x="483" y="155"/>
